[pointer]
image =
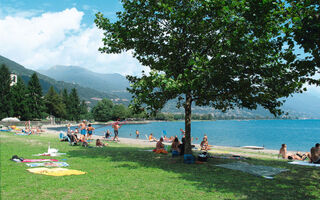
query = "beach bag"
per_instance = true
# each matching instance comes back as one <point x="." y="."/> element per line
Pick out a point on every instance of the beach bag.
<point x="16" y="158"/>
<point x="203" y="157"/>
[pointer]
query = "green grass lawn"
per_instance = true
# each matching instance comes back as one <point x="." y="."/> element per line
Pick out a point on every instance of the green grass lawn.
<point x="126" y="172"/>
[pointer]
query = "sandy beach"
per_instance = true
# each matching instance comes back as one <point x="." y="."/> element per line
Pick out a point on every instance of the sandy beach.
<point x="221" y="150"/>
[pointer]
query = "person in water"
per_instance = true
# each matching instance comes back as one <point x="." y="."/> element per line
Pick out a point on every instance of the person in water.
<point x="137" y="134"/>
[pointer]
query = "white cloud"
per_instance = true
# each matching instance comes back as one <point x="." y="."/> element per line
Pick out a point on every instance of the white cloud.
<point x="60" y="39"/>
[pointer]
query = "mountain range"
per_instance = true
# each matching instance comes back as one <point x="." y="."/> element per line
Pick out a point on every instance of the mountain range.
<point x="94" y="86"/>
<point x="84" y="93"/>
<point x="304" y="105"/>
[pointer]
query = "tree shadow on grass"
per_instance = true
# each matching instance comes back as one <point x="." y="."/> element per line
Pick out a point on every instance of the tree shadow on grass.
<point x="298" y="183"/>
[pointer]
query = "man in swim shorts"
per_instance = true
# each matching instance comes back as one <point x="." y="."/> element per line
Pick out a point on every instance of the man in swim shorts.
<point x="90" y="131"/>
<point x="83" y="130"/>
<point x="116" y="127"/>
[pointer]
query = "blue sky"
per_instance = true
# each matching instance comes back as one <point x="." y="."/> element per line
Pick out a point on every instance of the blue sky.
<point x="42" y="33"/>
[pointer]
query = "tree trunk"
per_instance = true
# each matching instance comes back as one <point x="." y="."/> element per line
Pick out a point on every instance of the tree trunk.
<point x="187" y="109"/>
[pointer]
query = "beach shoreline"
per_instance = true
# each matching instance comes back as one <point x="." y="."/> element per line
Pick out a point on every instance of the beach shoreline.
<point x="215" y="149"/>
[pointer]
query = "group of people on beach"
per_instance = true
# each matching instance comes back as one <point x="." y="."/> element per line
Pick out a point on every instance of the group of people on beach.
<point x="313" y="155"/>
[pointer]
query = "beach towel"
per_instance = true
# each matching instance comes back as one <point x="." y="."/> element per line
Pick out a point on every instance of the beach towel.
<point x="304" y="163"/>
<point x="258" y="170"/>
<point x="55" y="171"/>
<point x="48" y="164"/>
<point x="39" y="160"/>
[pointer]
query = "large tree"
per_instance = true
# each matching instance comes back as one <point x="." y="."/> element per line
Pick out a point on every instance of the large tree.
<point x="220" y="53"/>
<point x="35" y="100"/>
<point x="19" y="100"/>
<point x="5" y="102"/>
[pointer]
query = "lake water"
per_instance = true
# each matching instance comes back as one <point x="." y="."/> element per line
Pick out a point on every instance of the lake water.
<point x="299" y="135"/>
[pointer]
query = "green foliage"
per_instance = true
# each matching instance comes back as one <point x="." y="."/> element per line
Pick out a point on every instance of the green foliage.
<point x="35" y="101"/>
<point x="303" y="31"/>
<point x="74" y="108"/>
<point x="5" y="98"/>
<point x="103" y="110"/>
<point x="54" y="104"/>
<point x="119" y="111"/>
<point x="84" y="114"/>
<point x="19" y="100"/>
<point x="223" y="54"/>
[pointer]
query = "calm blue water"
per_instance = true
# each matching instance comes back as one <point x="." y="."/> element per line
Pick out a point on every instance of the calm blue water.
<point x="299" y="135"/>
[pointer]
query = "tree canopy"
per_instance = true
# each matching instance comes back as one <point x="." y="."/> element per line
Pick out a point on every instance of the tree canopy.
<point x="220" y="53"/>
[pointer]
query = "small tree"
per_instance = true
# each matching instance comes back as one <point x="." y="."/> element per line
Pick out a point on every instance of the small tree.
<point x="224" y="54"/>
<point x="5" y="100"/>
<point x="103" y="110"/>
<point x="35" y="101"/>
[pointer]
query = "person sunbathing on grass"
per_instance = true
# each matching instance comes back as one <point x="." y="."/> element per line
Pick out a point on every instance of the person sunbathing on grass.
<point x="315" y="154"/>
<point x="160" y="147"/>
<point x="100" y="144"/>
<point x="204" y="144"/>
<point x="297" y="156"/>
<point x="175" y="145"/>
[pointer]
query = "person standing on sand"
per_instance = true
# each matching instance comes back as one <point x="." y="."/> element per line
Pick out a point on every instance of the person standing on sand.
<point x="116" y="127"/>
<point x="137" y="134"/>
<point x="83" y="129"/>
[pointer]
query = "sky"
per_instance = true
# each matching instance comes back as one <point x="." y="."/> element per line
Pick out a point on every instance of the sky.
<point x="39" y="34"/>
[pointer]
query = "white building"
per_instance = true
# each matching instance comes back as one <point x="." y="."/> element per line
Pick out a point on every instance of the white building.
<point x="14" y="79"/>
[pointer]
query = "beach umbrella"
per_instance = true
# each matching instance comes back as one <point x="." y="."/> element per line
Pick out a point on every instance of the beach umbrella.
<point x="10" y="119"/>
